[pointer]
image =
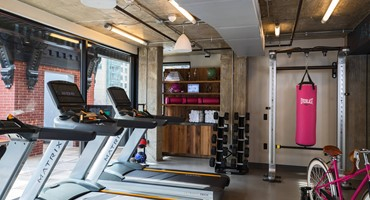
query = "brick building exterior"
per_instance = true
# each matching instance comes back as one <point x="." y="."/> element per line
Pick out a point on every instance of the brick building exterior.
<point x="28" y="104"/>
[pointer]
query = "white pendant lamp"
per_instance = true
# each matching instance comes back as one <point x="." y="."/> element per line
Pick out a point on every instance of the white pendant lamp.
<point x="182" y="45"/>
<point x="100" y="4"/>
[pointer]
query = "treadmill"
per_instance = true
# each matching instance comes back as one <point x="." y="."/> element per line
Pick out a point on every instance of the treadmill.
<point x="69" y="101"/>
<point x="22" y="139"/>
<point x="185" y="184"/>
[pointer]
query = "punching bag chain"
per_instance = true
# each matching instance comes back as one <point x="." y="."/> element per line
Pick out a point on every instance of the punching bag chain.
<point x="306" y="65"/>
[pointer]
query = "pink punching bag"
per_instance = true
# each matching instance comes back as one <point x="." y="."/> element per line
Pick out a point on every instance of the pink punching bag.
<point x="306" y="112"/>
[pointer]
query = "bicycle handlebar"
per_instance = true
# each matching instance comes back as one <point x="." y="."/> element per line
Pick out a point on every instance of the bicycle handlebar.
<point x="356" y="155"/>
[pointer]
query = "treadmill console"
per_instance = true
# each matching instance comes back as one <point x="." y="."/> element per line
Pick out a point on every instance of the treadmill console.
<point x="69" y="101"/>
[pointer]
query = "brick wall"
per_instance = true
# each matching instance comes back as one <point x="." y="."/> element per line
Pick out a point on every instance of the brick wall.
<point x="28" y="104"/>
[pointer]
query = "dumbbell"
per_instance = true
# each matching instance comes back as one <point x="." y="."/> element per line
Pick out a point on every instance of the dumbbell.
<point x="247" y="128"/>
<point x="226" y="116"/>
<point x="239" y="157"/>
<point x="241" y="121"/>
<point x="212" y="162"/>
<point x="247" y="116"/>
<point x="213" y="150"/>
<point x="236" y="116"/>
<point x="215" y="127"/>
<point x="246" y="152"/>
<point x="240" y="145"/>
<point x="241" y="134"/>
<point x="224" y="139"/>
<point x="225" y="151"/>
<point x="215" y="115"/>
<point x="226" y="128"/>
<point x="246" y="140"/>
<point x="214" y="138"/>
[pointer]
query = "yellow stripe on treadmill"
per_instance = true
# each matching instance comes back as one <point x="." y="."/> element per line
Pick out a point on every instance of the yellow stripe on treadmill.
<point x="179" y="172"/>
<point x="136" y="195"/>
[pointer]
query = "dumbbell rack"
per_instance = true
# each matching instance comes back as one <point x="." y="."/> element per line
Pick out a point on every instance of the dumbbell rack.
<point x="230" y="157"/>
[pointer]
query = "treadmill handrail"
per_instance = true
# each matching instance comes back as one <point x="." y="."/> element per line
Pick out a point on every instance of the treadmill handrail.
<point x="66" y="134"/>
<point x="136" y="123"/>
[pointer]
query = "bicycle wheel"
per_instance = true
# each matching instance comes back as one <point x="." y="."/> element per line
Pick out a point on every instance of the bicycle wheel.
<point x="318" y="175"/>
<point x="365" y="196"/>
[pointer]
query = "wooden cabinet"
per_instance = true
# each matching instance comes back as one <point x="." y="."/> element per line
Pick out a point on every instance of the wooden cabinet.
<point x="190" y="138"/>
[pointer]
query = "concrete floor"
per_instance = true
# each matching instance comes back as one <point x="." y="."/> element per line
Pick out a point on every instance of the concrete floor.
<point x="250" y="186"/>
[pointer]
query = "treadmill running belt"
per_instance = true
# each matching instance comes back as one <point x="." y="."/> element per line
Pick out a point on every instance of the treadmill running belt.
<point x="204" y="180"/>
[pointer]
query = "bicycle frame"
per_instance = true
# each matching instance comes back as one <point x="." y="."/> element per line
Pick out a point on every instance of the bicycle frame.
<point x="338" y="180"/>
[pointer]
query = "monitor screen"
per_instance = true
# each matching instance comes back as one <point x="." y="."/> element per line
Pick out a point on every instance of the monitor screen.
<point x="65" y="92"/>
<point x="119" y="98"/>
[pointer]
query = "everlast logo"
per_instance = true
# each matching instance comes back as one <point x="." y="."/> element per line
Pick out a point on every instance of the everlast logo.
<point x="307" y="101"/>
<point x="47" y="166"/>
<point x="112" y="147"/>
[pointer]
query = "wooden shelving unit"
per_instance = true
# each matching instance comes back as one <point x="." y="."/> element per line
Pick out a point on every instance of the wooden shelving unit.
<point x="188" y="138"/>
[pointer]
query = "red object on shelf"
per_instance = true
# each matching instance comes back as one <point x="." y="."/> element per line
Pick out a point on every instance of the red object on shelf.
<point x="173" y="100"/>
<point x="190" y="100"/>
<point x="209" y="100"/>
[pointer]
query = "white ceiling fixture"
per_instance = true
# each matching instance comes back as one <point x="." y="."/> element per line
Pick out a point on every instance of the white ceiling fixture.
<point x="183" y="11"/>
<point x="330" y="10"/>
<point x="182" y="45"/>
<point x="277" y="30"/>
<point x="171" y="17"/>
<point x="124" y="34"/>
<point x="100" y="4"/>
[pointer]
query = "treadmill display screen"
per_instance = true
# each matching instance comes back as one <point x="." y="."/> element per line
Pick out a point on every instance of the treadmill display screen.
<point x="66" y="93"/>
<point x="120" y="98"/>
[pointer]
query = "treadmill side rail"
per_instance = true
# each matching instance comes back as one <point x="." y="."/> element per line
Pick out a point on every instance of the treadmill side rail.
<point x="44" y="169"/>
<point x="13" y="160"/>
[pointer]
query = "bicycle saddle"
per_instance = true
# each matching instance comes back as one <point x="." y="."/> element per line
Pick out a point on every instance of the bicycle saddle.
<point x="332" y="150"/>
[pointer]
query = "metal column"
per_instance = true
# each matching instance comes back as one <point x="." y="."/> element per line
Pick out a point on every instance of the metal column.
<point x="272" y="117"/>
<point x="341" y="105"/>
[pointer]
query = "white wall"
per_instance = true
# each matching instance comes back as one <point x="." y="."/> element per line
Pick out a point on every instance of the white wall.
<point x="258" y="87"/>
<point x="196" y="60"/>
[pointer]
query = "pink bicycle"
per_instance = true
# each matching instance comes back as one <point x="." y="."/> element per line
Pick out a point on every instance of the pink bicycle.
<point x="324" y="178"/>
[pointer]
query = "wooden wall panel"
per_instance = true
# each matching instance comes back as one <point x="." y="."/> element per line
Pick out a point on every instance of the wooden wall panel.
<point x="187" y="140"/>
<point x="356" y="102"/>
<point x="240" y="85"/>
<point x="226" y="82"/>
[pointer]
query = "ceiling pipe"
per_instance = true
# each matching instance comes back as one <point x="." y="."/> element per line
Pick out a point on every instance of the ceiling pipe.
<point x="294" y="27"/>
<point x="155" y="16"/>
<point x="118" y="8"/>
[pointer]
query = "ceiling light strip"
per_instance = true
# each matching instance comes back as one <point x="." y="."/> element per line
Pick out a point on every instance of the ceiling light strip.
<point x="183" y="11"/>
<point x="330" y="10"/>
<point x="124" y="34"/>
<point x="54" y="35"/>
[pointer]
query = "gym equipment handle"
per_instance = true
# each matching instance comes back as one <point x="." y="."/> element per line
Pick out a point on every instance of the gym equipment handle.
<point x="136" y="123"/>
<point x="65" y="134"/>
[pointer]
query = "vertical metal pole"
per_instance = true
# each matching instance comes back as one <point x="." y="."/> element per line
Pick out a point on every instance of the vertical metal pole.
<point x="272" y="116"/>
<point x="341" y="115"/>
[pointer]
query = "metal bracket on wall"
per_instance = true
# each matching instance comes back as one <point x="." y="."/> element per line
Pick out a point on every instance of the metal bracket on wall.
<point x="7" y="63"/>
<point x="32" y="71"/>
<point x="91" y="69"/>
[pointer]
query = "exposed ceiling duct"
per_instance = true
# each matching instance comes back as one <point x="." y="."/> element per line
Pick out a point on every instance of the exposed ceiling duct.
<point x="237" y="21"/>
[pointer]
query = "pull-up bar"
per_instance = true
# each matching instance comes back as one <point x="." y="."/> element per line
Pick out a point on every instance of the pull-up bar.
<point x="309" y="67"/>
<point x="307" y="50"/>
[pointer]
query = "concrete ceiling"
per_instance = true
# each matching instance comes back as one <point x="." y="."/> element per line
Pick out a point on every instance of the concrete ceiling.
<point x="246" y="26"/>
